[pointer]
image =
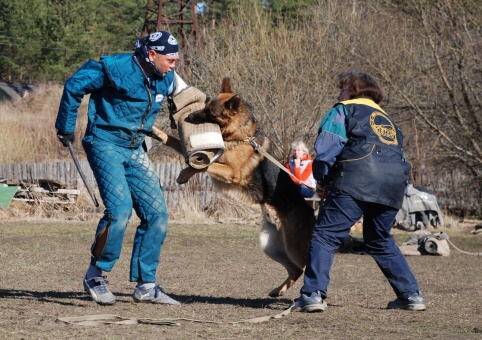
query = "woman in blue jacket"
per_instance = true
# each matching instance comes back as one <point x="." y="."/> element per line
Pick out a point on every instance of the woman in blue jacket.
<point x="126" y="94"/>
<point x="359" y="157"/>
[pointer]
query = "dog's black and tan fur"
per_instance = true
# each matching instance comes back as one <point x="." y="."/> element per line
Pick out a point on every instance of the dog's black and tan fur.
<point x="243" y="173"/>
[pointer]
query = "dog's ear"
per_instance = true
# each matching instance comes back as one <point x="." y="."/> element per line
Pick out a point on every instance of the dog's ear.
<point x="233" y="104"/>
<point x="226" y="85"/>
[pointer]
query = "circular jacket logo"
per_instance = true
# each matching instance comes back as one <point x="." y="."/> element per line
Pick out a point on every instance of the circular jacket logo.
<point x="383" y="128"/>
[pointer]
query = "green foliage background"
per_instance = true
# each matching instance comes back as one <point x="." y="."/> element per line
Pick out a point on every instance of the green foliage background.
<point x="46" y="40"/>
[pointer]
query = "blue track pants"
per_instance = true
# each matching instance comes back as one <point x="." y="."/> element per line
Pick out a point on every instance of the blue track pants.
<point x="126" y="180"/>
<point x="339" y="212"/>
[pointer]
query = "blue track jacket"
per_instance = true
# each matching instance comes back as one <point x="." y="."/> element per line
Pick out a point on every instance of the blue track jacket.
<point x="123" y="104"/>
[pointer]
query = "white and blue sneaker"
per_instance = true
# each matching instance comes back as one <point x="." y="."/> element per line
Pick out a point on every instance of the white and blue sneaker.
<point x="413" y="302"/>
<point x="98" y="290"/>
<point x="310" y="304"/>
<point x="153" y="295"/>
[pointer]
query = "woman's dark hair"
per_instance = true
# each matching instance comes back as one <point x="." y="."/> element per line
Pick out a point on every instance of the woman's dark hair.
<point x="360" y="84"/>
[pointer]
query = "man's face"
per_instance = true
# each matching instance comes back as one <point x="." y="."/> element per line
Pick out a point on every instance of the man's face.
<point x="163" y="62"/>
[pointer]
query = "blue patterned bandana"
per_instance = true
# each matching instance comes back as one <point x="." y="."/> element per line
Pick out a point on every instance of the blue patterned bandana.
<point x="162" y="42"/>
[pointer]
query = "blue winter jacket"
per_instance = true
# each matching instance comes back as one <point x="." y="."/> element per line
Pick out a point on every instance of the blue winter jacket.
<point x="123" y="101"/>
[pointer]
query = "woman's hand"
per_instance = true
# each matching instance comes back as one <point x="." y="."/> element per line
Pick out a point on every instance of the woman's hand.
<point x="322" y="190"/>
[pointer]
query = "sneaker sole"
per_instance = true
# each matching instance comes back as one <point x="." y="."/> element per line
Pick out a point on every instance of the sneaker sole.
<point x="414" y="307"/>
<point x="157" y="302"/>
<point x="141" y="300"/>
<point x="313" y="308"/>
<point x="418" y="307"/>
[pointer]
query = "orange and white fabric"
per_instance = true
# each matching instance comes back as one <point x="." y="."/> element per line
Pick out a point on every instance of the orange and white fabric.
<point x="302" y="173"/>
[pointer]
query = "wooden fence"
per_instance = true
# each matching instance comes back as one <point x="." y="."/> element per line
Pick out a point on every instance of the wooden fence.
<point x="66" y="173"/>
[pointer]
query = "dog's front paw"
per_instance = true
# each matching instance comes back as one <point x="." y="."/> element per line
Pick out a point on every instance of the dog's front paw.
<point x="277" y="292"/>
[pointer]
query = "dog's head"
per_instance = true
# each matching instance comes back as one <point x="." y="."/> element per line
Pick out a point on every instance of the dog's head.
<point x="227" y="109"/>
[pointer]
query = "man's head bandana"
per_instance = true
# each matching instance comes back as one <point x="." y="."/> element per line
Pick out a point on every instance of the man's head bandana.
<point x="161" y="42"/>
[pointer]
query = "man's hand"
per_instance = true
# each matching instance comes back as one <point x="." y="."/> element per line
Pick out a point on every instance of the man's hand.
<point x="159" y="135"/>
<point x="65" y="138"/>
<point x="167" y="140"/>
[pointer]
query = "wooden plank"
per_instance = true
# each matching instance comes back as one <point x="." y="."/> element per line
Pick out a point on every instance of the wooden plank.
<point x="55" y="200"/>
<point x="40" y="171"/>
<point x="17" y="170"/>
<point x="44" y="191"/>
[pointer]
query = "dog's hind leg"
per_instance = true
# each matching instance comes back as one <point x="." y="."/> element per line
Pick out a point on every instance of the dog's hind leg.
<point x="273" y="246"/>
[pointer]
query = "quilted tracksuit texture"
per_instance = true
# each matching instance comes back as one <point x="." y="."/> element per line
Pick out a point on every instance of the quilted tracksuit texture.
<point x="123" y="105"/>
<point x="126" y="180"/>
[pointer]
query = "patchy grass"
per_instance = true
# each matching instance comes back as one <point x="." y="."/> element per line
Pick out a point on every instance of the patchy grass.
<point x="220" y="275"/>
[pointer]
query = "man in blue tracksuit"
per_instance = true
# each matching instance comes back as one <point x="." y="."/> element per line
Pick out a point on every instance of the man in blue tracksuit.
<point x="126" y="94"/>
<point x="359" y="157"/>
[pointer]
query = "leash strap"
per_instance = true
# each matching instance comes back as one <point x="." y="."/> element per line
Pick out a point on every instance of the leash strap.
<point x="463" y="251"/>
<point x="267" y="318"/>
<point x="109" y="319"/>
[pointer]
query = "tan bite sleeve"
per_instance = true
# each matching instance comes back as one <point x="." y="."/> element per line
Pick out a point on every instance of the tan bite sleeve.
<point x="187" y="101"/>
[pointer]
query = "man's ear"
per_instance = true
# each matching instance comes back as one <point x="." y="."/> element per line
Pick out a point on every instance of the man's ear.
<point x="151" y="54"/>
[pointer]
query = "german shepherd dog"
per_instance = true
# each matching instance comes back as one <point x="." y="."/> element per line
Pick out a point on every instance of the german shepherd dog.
<point x="244" y="173"/>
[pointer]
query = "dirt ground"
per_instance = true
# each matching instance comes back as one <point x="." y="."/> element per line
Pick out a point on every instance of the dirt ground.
<point x="221" y="276"/>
